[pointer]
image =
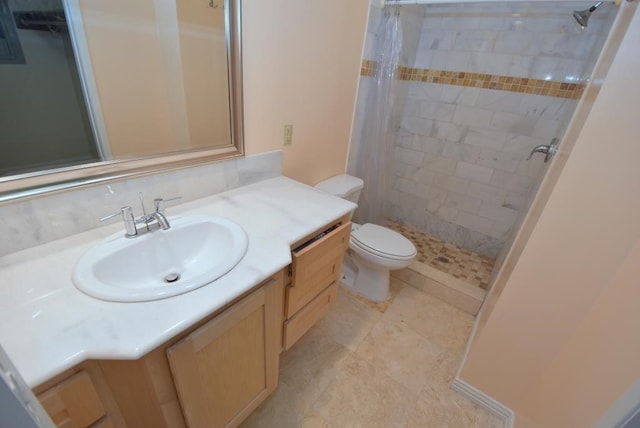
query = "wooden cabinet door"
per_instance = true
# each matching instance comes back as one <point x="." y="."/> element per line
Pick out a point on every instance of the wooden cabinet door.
<point x="74" y="403"/>
<point x="227" y="367"/>
<point x="315" y="267"/>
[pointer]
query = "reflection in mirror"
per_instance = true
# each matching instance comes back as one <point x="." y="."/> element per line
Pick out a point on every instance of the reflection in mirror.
<point x="105" y="87"/>
<point x="43" y="120"/>
<point x="158" y="67"/>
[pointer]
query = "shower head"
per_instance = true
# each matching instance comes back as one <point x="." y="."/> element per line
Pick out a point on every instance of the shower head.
<point x="582" y="16"/>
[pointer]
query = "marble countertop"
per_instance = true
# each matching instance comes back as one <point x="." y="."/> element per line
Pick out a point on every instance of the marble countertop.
<point x="47" y="325"/>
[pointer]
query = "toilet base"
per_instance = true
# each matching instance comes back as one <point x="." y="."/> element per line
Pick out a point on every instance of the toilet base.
<point x="372" y="284"/>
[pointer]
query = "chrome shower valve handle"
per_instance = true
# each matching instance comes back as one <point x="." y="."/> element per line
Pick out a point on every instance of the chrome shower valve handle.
<point x="548" y="149"/>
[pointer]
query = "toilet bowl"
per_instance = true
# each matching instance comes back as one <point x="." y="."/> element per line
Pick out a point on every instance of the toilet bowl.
<point x="373" y="250"/>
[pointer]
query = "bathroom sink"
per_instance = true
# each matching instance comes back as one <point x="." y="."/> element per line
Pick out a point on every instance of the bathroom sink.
<point x="194" y="252"/>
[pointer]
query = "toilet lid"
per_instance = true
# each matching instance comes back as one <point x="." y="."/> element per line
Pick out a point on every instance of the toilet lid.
<point x="383" y="241"/>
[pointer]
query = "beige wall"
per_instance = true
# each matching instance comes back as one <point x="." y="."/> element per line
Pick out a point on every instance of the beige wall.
<point x="558" y="341"/>
<point x="301" y="67"/>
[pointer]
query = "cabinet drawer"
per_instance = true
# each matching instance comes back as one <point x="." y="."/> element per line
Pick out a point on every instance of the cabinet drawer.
<point x="73" y="403"/>
<point x="315" y="267"/>
<point x="309" y="315"/>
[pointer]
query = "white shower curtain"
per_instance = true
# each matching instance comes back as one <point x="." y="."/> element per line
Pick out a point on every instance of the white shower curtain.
<point x="375" y="152"/>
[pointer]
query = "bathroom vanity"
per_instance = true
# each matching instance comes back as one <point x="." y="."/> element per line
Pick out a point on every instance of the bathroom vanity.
<point x="208" y="357"/>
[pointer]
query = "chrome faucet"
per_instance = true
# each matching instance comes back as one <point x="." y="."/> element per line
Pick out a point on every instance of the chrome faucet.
<point x="159" y="218"/>
<point x="154" y="221"/>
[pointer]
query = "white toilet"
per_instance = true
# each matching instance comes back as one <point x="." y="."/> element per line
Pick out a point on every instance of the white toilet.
<point x="374" y="250"/>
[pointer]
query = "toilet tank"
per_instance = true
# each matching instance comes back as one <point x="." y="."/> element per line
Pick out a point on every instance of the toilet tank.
<point x="344" y="186"/>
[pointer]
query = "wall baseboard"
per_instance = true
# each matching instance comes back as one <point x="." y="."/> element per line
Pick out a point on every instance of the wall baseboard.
<point x="480" y="398"/>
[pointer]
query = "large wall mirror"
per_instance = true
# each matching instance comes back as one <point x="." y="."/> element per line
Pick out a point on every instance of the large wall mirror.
<point x="94" y="90"/>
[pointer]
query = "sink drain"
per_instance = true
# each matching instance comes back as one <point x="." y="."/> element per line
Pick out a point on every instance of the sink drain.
<point x="172" y="277"/>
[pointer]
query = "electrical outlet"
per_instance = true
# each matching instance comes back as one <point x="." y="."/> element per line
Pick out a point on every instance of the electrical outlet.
<point x="288" y="135"/>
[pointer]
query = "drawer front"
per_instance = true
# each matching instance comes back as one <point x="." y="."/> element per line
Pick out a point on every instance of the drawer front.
<point x="73" y="403"/>
<point x="315" y="267"/>
<point x="309" y="315"/>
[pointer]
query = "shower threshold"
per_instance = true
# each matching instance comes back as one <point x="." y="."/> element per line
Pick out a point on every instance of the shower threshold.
<point x="451" y="273"/>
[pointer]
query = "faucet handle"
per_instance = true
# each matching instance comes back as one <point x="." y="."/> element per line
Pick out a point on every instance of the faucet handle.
<point x="129" y="223"/>
<point x="158" y="203"/>
<point x="124" y="211"/>
<point x="109" y="217"/>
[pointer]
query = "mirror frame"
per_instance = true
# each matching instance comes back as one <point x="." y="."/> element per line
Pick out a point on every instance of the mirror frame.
<point x="40" y="183"/>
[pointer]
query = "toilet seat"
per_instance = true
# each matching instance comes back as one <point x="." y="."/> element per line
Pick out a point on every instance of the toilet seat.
<point x="383" y="242"/>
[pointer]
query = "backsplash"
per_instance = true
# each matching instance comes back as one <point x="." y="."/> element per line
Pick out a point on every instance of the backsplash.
<point x="37" y="221"/>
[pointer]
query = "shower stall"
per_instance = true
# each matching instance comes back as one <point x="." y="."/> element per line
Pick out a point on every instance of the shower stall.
<point x="479" y="87"/>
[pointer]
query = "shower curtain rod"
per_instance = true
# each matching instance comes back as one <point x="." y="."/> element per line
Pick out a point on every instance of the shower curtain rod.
<point x="413" y="2"/>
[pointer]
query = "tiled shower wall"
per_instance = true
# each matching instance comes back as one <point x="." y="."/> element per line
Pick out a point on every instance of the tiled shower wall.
<point x="466" y="125"/>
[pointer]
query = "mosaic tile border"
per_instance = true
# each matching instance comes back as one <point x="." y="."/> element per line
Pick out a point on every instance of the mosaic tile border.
<point x="572" y="91"/>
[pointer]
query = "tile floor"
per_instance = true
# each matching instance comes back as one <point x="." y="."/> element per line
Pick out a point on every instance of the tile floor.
<point x="456" y="261"/>
<point x="376" y="366"/>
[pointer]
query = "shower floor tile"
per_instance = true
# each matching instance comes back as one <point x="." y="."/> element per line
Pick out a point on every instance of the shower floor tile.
<point x="449" y="258"/>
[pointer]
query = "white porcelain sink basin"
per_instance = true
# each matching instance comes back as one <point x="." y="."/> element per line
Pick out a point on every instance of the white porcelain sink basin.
<point x="195" y="251"/>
